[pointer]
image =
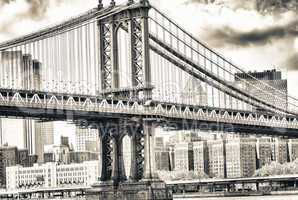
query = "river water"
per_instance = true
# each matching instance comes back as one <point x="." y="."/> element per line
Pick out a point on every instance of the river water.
<point x="281" y="197"/>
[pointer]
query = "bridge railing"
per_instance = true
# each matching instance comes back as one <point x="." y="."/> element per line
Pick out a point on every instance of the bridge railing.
<point x="21" y="102"/>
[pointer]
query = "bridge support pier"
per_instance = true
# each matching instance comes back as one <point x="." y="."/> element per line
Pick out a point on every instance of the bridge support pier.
<point x="143" y="182"/>
<point x="106" y="159"/>
<point x="118" y="173"/>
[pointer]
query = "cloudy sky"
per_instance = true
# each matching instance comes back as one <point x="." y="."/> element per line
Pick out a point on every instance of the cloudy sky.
<point x="255" y="34"/>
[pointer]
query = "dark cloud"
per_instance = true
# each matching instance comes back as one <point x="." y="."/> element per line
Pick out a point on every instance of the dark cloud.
<point x="263" y="6"/>
<point x="276" y="5"/>
<point x="38" y="8"/>
<point x="223" y="36"/>
<point x="292" y="62"/>
<point x="37" y="11"/>
<point x="3" y="2"/>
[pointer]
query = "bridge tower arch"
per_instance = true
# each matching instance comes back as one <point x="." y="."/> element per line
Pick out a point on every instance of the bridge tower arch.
<point x="133" y="20"/>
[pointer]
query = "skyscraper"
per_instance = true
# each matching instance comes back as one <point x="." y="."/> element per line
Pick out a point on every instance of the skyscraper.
<point x="162" y="156"/>
<point x="293" y="149"/>
<point x="279" y="150"/>
<point x="184" y="136"/>
<point x="87" y="139"/>
<point x="275" y="86"/>
<point x="184" y="156"/>
<point x="217" y="158"/>
<point x="240" y="157"/>
<point x="44" y="135"/>
<point x="200" y="154"/>
<point x="26" y="75"/>
<point x="264" y="152"/>
<point x="127" y="154"/>
<point x="31" y="77"/>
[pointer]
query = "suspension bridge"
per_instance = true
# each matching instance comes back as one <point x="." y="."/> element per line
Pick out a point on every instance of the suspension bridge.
<point x="126" y="69"/>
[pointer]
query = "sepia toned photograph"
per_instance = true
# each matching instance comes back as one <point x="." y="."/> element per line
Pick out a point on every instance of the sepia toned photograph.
<point x="149" y="99"/>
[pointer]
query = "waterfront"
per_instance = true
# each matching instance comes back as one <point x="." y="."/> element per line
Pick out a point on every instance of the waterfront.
<point x="277" y="197"/>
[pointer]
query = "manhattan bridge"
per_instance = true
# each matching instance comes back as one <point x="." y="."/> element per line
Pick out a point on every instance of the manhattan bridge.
<point x="128" y="69"/>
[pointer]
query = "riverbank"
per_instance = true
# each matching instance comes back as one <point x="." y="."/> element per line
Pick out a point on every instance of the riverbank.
<point x="234" y="194"/>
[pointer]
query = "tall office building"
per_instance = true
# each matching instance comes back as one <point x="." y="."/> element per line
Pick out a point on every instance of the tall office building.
<point x="195" y="93"/>
<point x="58" y="153"/>
<point x="280" y="150"/>
<point x="44" y="135"/>
<point x="171" y="149"/>
<point x="87" y="139"/>
<point x="127" y="154"/>
<point x="293" y="149"/>
<point x="162" y="156"/>
<point x="275" y="86"/>
<point x="184" y="156"/>
<point x="217" y="158"/>
<point x="241" y="157"/>
<point x="9" y="157"/>
<point x="200" y="157"/>
<point x="264" y="152"/>
<point x="31" y="77"/>
<point x="184" y="136"/>
<point x="26" y="75"/>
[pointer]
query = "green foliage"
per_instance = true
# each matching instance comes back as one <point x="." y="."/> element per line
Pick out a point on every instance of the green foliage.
<point x="278" y="169"/>
<point x="180" y="175"/>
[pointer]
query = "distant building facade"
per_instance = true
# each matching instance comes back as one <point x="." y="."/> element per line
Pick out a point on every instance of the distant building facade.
<point x="162" y="159"/>
<point x="87" y="139"/>
<point x="293" y="149"/>
<point x="52" y="175"/>
<point x="280" y="150"/>
<point x="184" y="156"/>
<point x="82" y="156"/>
<point x="200" y="157"/>
<point x="274" y="85"/>
<point x="11" y="156"/>
<point x="44" y="136"/>
<point x="264" y="151"/>
<point x="241" y="157"/>
<point x="217" y="158"/>
<point x="28" y="76"/>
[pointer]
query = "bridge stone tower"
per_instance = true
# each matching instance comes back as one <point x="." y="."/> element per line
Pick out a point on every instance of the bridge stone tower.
<point x="142" y="182"/>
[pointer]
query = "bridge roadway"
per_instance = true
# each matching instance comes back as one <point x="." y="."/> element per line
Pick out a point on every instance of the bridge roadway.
<point x="94" y="109"/>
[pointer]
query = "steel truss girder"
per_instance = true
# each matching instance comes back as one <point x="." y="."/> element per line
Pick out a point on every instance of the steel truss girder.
<point x="137" y="151"/>
<point x="106" y="157"/>
<point x="136" y="51"/>
<point x="105" y="30"/>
